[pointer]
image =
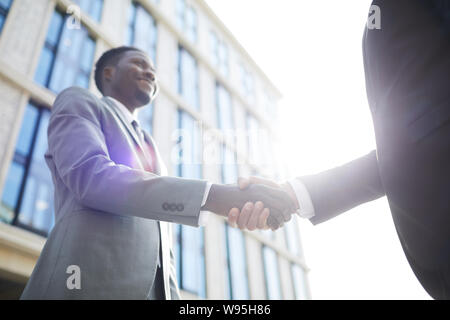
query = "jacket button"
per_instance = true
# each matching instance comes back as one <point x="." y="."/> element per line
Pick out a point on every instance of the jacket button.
<point x="165" y="206"/>
<point x="172" y="207"/>
<point x="180" y="207"/>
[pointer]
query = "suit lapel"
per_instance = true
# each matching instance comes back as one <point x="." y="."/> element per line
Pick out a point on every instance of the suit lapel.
<point x="160" y="169"/>
<point x="127" y="125"/>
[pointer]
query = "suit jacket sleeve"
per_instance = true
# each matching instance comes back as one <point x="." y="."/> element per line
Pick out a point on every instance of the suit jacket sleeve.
<point x="343" y="188"/>
<point x="78" y="147"/>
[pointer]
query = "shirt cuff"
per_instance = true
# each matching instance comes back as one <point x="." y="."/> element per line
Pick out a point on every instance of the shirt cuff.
<point x="204" y="215"/>
<point x="304" y="199"/>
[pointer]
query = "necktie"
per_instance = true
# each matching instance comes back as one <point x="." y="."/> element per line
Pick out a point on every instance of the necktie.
<point x="148" y="149"/>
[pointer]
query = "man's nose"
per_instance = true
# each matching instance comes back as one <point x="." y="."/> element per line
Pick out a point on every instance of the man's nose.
<point x="150" y="75"/>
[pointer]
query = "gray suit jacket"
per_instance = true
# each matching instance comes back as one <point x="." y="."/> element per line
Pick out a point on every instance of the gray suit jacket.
<point x="107" y="208"/>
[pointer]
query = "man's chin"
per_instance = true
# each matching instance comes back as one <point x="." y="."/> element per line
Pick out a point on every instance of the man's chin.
<point x="143" y="98"/>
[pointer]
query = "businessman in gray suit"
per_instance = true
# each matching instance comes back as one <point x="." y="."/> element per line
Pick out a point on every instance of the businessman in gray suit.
<point x="113" y="202"/>
<point x="407" y="66"/>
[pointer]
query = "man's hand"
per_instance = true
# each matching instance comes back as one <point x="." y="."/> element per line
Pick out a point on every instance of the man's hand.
<point x="279" y="206"/>
<point x="251" y="217"/>
<point x="250" y="213"/>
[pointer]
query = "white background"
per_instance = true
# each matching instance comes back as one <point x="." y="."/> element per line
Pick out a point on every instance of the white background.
<point x="312" y="51"/>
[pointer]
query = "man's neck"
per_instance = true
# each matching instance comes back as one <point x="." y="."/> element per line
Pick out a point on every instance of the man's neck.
<point x="129" y="116"/>
<point x="123" y="101"/>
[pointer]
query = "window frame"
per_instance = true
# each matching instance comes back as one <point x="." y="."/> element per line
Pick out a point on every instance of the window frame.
<point x="182" y="9"/>
<point x="276" y="274"/>
<point x="90" y="7"/>
<point x="219" y="46"/>
<point x="25" y="161"/>
<point x="201" y="292"/>
<point x="232" y="292"/>
<point x="131" y="29"/>
<point x="303" y="287"/>
<point x="180" y="83"/>
<point x="4" y="11"/>
<point x="56" y="50"/>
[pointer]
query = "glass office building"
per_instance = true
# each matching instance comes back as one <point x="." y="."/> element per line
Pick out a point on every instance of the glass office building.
<point x="214" y="119"/>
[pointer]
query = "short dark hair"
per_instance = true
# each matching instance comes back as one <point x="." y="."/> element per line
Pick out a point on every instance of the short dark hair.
<point x="110" y="57"/>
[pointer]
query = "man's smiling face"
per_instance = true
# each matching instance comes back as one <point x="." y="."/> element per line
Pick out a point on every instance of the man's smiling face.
<point x="134" y="79"/>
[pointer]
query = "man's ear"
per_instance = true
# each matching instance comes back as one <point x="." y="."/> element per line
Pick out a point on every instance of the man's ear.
<point x="155" y="91"/>
<point x="108" y="73"/>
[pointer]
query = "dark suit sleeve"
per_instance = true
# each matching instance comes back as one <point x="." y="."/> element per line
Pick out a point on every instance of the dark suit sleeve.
<point x="340" y="189"/>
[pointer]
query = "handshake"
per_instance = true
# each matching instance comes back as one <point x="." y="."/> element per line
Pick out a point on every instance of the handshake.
<point x="256" y="203"/>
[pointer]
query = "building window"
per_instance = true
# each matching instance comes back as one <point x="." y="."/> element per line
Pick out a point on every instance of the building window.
<point x="188" y="148"/>
<point x="4" y="9"/>
<point x="219" y="54"/>
<point x="224" y="109"/>
<point x="145" y="117"/>
<point x="188" y="78"/>
<point x="254" y="145"/>
<point x="237" y="264"/>
<point x="271" y="273"/>
<point x="67" y="56"/>
<point x="91" y="7"/>
<point x="66" y="60"/>
<point x="190" y="259"/>
<point x="229" y="166"/>
<point x="27" y="199"/>
<point x="292" y="238"/>
<point x="270" y="106"/>
<point x="142" y="34"/>
<point x="266" y="152"/>
<point x="189" y="241"/>
<point x="226" y="124"/>
<point x="260" y="151"/>
<point x="299" y="282"/>
<point x="234" y="238"/>
<point x="187" y="19"/>
<point x="247" y="85"/>
<point x="142" y="30"/>
<point x="235" y="250"/>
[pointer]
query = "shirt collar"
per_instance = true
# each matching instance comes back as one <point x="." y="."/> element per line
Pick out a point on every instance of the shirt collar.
<point x="129" y="117"/>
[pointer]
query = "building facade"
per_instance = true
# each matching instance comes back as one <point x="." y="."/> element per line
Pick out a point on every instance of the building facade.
<point x="214" y="119"/>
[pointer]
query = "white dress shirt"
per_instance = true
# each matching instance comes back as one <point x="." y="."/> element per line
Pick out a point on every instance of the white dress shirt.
<point x="130" y="117"/>
<point x="304" y="199"/>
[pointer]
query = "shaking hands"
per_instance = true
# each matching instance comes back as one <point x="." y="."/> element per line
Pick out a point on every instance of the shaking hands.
<point x="255" y="203"/>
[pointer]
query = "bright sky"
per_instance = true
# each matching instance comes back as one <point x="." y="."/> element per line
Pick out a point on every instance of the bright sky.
<point x="312" y="52"/>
